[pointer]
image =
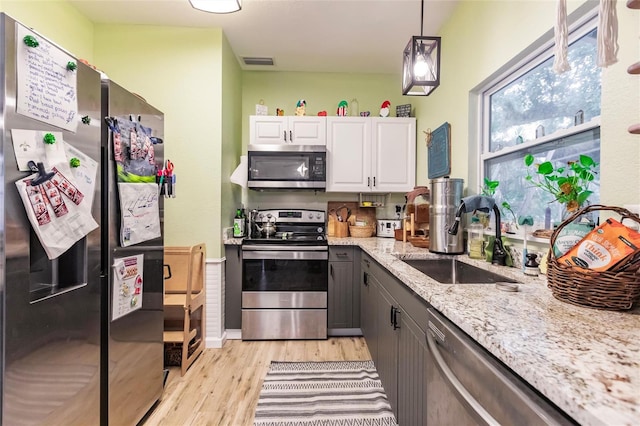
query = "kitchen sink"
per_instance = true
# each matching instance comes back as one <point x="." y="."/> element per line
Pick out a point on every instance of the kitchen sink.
<point x="452" y="271"/>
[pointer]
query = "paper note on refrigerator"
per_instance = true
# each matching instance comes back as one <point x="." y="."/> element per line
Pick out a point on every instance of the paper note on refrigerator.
<point x="127" y="285"/>
<point x="57" y="210"/>
<point x="140" y="212"/>
<point x="28" y="146"/>
<point x="46" y="89"/>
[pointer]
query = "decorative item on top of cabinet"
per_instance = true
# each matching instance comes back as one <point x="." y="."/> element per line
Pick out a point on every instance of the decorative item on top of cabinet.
<point x="403" y="110"/>
<point x="301" y="108"/>
<point x="384" y="109"/>
<point x="342" y="109"/>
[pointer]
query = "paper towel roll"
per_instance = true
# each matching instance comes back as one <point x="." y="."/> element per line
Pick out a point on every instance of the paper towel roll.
<point x="240" y="174"/>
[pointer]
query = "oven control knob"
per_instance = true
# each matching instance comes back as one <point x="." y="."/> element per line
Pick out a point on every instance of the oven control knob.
<point x="320" y="230"/>
<point x="310" y="215"/>
<point x="318" y="216"/>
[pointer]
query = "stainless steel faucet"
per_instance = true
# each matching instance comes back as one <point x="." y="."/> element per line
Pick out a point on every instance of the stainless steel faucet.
<point x="483" y="203"/>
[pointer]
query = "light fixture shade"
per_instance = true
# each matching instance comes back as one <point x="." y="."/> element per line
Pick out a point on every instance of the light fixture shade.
<point x="217" y="6"/>
<point x="421" y="66"/>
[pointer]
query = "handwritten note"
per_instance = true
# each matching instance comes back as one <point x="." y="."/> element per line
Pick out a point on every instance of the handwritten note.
<point x="47" y="91"/>
<point x="140" y="212"/>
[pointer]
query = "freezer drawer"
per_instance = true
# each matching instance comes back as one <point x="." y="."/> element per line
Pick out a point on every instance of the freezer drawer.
<point x="276" y="324"/>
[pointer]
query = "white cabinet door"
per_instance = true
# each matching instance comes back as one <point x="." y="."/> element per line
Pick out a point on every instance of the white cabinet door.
<point x="265" y="129"/>
<point x="348" y="154"/>
<point x="272" y="130"/>
<point x="307" y="130"/>
<point x="394" y="154"/>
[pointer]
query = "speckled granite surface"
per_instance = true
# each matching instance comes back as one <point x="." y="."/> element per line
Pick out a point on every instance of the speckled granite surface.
<point x="586" y="361"/>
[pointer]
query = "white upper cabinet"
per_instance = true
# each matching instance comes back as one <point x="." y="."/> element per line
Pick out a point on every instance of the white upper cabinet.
<point x="304" y="130"/>
<point x="369" y="154"/>
<point x="394" y="154"/>
<point x="348" y="154"/>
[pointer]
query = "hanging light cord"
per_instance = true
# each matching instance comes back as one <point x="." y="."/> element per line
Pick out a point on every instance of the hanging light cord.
<point x="421" y="17"/>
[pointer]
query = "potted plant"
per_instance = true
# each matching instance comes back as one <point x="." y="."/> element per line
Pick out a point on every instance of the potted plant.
<point x="568" y="184"/>
<point x="489" y="189"/>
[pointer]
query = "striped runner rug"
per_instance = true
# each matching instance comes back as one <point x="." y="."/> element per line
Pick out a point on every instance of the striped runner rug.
<point x="330" y="393"/>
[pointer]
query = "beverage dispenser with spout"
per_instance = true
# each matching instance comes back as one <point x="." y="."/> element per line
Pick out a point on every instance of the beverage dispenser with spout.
<point x="446" y="195"/>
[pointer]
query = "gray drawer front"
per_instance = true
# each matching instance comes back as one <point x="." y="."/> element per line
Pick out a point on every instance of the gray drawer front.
<point x="341" y="254"/>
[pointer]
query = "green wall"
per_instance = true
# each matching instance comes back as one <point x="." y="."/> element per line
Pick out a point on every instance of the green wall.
<point x="231" y="195"/>
<point x="56" y="20"/>
<point x="178" y="70"/>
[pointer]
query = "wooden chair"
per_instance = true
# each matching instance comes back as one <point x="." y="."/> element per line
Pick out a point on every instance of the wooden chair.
<point x="184" y="291"/>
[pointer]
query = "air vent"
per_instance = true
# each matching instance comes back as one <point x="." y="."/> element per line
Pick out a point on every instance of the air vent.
<point x="257" y="61"/>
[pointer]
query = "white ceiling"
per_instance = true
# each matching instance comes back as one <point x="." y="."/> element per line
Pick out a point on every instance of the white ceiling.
<point x="352" y="36"/>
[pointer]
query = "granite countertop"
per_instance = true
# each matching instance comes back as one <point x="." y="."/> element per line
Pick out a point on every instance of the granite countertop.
<point x="586" y="361"/>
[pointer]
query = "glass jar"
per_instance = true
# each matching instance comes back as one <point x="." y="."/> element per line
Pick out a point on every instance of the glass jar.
<point x="475" y="239"/>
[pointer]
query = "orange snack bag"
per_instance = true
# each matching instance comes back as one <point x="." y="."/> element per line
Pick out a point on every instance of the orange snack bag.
<point x="604" y="247"/>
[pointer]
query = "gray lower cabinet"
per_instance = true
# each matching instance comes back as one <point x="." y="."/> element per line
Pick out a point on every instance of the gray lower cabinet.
<point x="412" y="373"/>
<point x="388" y="334"/>
<point x="233" y="287"/>
<point x="390" y="315"/>
<point x="368" y="306"/>
<point x="344" y="290"/>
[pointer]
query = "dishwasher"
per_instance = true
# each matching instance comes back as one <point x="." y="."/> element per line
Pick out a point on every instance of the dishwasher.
<point x="467" y="386"/>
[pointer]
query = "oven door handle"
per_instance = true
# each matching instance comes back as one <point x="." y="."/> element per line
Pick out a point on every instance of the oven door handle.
<point x="285" y="255"/>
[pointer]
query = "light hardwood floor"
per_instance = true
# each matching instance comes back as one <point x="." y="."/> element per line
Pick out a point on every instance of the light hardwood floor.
<point x="223" y="385"/>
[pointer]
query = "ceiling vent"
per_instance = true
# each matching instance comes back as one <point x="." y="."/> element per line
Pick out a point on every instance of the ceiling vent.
<point x="257" y="61"/>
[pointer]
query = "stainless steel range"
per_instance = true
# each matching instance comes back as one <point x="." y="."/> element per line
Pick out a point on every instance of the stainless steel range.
<point x="285" y="275"/>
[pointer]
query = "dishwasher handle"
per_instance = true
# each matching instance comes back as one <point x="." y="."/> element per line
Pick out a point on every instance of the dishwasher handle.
<point x="477" y="410"/>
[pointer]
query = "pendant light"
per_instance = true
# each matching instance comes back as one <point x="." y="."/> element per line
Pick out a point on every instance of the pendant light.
<point x="217" y="6"/>
<point x="421" y="64"/>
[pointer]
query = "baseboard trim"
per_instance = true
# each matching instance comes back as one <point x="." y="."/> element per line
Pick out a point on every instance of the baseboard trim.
<point x="341" y="332"/>
<point x="215" y="342"/>
<point x="234" y="334"/>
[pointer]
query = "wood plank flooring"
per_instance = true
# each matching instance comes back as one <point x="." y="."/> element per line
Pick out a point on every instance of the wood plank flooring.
<point x="223" y="385"/>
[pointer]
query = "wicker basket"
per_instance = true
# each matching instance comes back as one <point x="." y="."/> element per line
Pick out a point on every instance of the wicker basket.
<point x="361" y="231"/>
<point x="604" y="290"/>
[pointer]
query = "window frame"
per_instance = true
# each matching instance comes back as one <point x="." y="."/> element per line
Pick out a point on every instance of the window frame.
<point x="530" y="58"/>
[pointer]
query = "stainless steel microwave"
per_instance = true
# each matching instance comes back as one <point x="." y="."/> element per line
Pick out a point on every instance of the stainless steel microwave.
<point x="287" y="167"/>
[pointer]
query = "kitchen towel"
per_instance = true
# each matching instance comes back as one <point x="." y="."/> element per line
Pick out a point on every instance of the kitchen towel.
<point x="336" y="393"/>
<point x="240" y="174"/>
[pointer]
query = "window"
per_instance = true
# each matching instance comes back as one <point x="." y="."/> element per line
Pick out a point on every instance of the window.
<point x="554" y="117"/>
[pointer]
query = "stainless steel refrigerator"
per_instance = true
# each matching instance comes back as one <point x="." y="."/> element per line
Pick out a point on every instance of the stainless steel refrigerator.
<point x="64" y="358"/>
<point x="132" y="345"/>
<point x="49" y="309"/>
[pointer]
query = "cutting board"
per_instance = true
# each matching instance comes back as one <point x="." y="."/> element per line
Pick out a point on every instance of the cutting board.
<point x="367" y="214"/>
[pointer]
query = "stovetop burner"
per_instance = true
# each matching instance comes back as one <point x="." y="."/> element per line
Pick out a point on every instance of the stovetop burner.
<point x="292" y="226"/>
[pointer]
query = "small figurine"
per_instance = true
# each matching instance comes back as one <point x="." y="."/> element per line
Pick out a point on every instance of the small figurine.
<point x="301" y="107"/>
<point x="342" y="109"/>
<point x="279" y="112"/>
<point x="384" y="109"/>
